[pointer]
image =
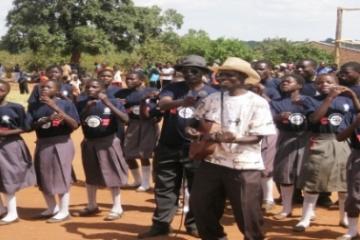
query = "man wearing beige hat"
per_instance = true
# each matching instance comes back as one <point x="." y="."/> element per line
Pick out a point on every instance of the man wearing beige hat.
<point x="233" y="170"/>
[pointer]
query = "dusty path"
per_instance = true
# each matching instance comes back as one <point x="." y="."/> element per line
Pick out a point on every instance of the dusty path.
<point x="137" y="217"/>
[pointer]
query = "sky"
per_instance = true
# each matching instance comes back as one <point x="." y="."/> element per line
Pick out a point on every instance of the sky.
<point x="296" y="20"/>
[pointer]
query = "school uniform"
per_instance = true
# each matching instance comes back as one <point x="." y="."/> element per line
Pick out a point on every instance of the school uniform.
<point x="272" y="88"/>
<point x="292" y="139"/>
<point x="325" y="158"/>
<point x="102" y="156"/>
<point x="171" y="162"/>
<point x="268" y="144"/>
<point x="309" y="89"/>
<point x="54" y="150"/>
<point x="352" y="203"/>
<point x="141" y="134"/>
<point x="356" y="89"/>
<point x="16" y="168"/>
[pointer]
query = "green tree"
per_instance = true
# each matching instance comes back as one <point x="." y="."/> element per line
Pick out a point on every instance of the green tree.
<point x="84" y="26"/>
<point x="281" y="50"/>
<point x="222" y="48"/>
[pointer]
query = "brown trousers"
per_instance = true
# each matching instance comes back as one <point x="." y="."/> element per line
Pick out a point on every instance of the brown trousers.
<point x="212" y="185"/>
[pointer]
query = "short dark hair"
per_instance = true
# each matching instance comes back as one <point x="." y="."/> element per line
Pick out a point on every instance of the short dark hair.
<point x="312" y="62"/>
<point x="263" y="61"/>
<point x="353" y="65"/>
<point x="100" y="82"/>
<point x="298" y="78"/>
<point x="54" y="66"/>
<point x="139" y="74"/>
<point x="328" y="74"/>
<point x="57" y="83"/>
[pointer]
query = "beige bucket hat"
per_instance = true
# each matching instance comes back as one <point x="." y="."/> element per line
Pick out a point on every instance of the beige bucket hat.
<point x="240" y="65"/>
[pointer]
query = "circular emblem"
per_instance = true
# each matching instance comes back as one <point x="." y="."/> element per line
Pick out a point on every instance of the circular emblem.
<point x="65" y="93"/>
<point x="45" y="125"/>
<point x="186" y="112"/>
<point x="335" y="119"/>
<point x="5" y="119"/>
<point x="296" y="119"/>
<point x="107" y="110"/>
<point x="135" y="110"/>
<point x="93" y="121"/>
<point x="202" y="93"/>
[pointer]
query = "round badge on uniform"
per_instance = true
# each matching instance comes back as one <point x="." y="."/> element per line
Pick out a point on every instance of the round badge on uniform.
<point x="93" y="121"/>
<point x="107" y="110"/>
<point x="45" y="125"/>
<point x="135" y="110"/>
<point x="65" y="93"/>
<point x="335" y="119"/>
<point x="186" y="112"/>
<point x="5" y="119"/>
<point x="296" y="119"/>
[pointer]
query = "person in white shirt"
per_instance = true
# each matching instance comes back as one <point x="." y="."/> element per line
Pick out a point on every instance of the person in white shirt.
<point x="233" y="170"/>
<point x="167" y="74"/>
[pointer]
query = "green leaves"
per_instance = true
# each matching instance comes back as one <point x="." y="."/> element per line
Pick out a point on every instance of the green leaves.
<point x="91" y="26"/>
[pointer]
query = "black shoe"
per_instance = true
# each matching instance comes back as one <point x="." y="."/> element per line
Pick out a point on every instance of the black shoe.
<point x="155" y="231"/>
<point x="193" y="232"/>
<point x="324" y="201"/>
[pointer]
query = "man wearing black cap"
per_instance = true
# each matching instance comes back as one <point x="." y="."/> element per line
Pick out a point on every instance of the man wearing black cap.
<point x="171" y="161"/>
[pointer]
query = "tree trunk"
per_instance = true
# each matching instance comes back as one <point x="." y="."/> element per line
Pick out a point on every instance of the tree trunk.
<point x="75" y="57"/>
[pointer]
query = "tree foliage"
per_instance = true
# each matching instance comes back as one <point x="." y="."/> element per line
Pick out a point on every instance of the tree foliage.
<point x="47" y="31"/>
<point x="281" y="50"/>
<point x="91" y="26"/>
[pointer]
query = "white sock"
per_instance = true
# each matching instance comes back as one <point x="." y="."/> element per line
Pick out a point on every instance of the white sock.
<point x="136" y="175"/>
<point x="11" y="208"/>
<point x="51" y="204"/>
<point x="267" y="187"/>
<point x="2" y="206"/>
<point x="64" y="200"/>
<point x="286" y="195"/>
<point x="308" y="208"/>
<point x="186" y="200"/>
<point x="91" y="194"/>
<point x="352" y="230"/>
<point x="116" y="197"/>
<point x="343" y="215"/>
<point x="146" y="173"/>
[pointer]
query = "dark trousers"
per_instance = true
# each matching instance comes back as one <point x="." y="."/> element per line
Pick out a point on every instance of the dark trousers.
<point x="212" y="184"/>
<point x="23" y="86"/>
<point x="170" y="166"/>
<point x="352" y="204"/>
<point x="155" y="84"/>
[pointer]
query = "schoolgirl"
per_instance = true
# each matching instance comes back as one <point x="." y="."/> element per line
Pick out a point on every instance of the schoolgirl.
<point x="54" y="73"/>
<point x="16" y="169"/>
<point x="324" y="163"/>
<point x="102" y="157"/>
<point x="53" y="120"/>
<point x="290" y="117"/>
<point x="142" y="131"/>
<point x="350" y="129"/>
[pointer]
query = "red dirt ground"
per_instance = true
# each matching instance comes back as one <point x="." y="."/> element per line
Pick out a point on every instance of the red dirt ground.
<point x="138" y="208"/>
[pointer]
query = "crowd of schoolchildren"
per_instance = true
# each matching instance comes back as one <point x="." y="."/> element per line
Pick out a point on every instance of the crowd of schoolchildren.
<point x="298" y="127"/>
